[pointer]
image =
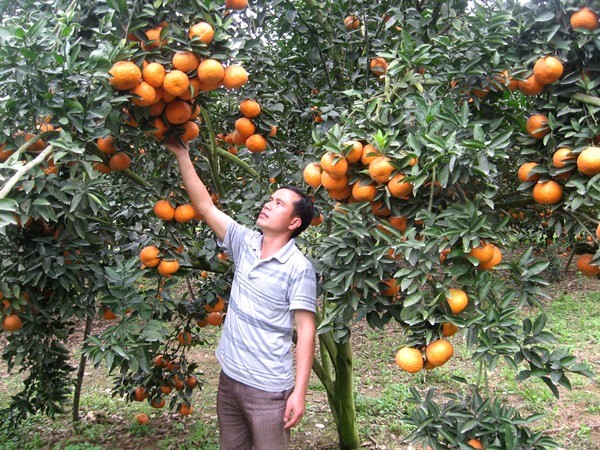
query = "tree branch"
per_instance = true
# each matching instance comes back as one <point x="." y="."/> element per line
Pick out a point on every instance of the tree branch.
<point x="25" y="169"/>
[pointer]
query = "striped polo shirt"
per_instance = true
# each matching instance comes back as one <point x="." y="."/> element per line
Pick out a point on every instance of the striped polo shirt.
<point x="255" y="344"/>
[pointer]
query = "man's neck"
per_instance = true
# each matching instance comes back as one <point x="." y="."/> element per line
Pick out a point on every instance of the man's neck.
<point x="272" y="244"/>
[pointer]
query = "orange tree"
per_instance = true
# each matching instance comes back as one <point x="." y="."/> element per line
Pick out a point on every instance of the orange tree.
<point x="428" y="87"/>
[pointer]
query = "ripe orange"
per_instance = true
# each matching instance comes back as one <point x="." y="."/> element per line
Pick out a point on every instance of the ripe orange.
<point x="124" y="75"/>
<point x="369" y="153"/>
<point x="211" y="72"/>
<point x="439" y="352"/>
<point x="235" y="77"/>
<point x="102" y="168"/>
<point x="149" y="256"/>
<point x="340" y="194"/>
<point x="157" y="108"/>
<point x="119" y="161"/>
<point x="184" y="338"/>
<point x="5" y="154"/>
<point x="317" y="220"/>
<point x="364" y="192"/>
<point x="140" y="394"/>
<point x="203" y="31"/>
<point x="379" y="209"/>
<point x="237" y="5"/>
<point x="562" y="156"/>
<point x="588" y="161"/>
<point x="393" y="287"/>
<point x="184" y="213"/>
<point x="143" y="94"/>
<point x="106" y="145"/>
<point x="380" y="169"/>
<point x="164" y="210"/>
<point x="191" y="131"/>
<point x="333" y="184"/>
<point x="351" y="22"/>
<point x="107" y="314"/>
<point x="142" y="418"/>
<point x="334" y="164"/>
<point x="12" y="322"/>
<point x="176" y="83"/>
<point x="157" y="402"/>
<point x="547" y="69"/>
<point x="218" y="306"/>
<point x="250" y="108"/>
<point x="273" y="131"/>
<point x="36" y="146"/>
<point x="312" y="175"/>
<point x="153" y="35"/>
<point x="598" y="231"/>
<point x="245" y="127"/>
<point x="524" y="175"/>
<point x="584" y="18"/>
<point x="584" y="266"/>
<point x="449" y="329"/>
<point x="185" y="409"/>
<point x="496" y="259"/>
<point x="457" y="299"/>
<point x="215" y="318"/>
<point x="399" y="223"/>
<point x="531" y="86"/>
<point x="398" y="187"/>
<point x="178" y="112"/>
<point x="537" y="126"/>
<point x="410" y="359"/>
<point x="353" y="155"/>
<point x="475" y="443"/>
<point x="237" y="138"/>
<point x="378" y="66"/>
<point x="185" y="61"/>
<point x="161" y="129"/>
<point x="256" y="143"/>
<point x="168" y="267"/>
<point x="484" y="253"/>
<point x="547" y="193"/>
<point x="191" y="382"/>
<point x="154" y="74"/>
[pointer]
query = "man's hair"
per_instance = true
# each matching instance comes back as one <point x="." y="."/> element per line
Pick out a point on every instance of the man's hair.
<point x="303" y="209"/>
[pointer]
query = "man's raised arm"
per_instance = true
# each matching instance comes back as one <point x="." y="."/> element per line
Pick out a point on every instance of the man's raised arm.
<point x="199" y="195"/>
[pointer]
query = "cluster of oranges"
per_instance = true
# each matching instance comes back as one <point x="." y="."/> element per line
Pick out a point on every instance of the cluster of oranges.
<point x="182" y="213"/>
<point x="215" y="313"/>
<point x="245" y="132"/>
<point x="150" y="257"/>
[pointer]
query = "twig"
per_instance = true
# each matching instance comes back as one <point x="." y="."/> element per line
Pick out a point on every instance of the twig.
<point x="25" y="169"/>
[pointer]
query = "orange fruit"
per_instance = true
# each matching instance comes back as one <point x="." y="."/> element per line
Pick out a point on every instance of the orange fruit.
<point x="393" y="287"/>
<point x="124" y="75"/>
<point x="351" y="22"/>
<point x="369" y="153"/>
<point x="237" y="5"/>
<point x="191" y="382"/>
<point x="333" y="184"/>
<point x="312" y="175"/>
<point x="475" y="443"/>
<point x="191" y="131"/>
<point x="140" y="394"/>
<point x="547" y="193"/>
<point x="193" y="90"/>
<point x="176" y="83"/>
<point x="218" y="306"/>
<point x="211" y="71"/>
<point x="335" y="165"/>
<point x="524" y="175"/>
<point x="157" y="109"/>
<point x="164" y="210"/>
<point x="235" y="77"/>
<point x="143" y="94"/>
<point x="245" y="127"/>
<point x="184" y="338"/>
<point x="585" y="18"/>
<point x="106" y="145"/>
<point x="178" y="112"/>
<point x="531" y="86"/>
<point x="364" y="192"/>
<point x="256" y="143"/>
<point x="409" y="359"/>
<point x="484" y="252"/>
<point x="107" y="314"/>
<point x="168" y="267"/>
<point x="379" y="209"/>
<point x="547" y="69"/>
<point x="449" y="329"/>
<point x="584" y="266"/>
<point x="399" y="223"/>
<point x="36" y="146"/>
<point x="161" y="129"/>
<point x="119" y="161"/>
<point x="203" y="31"/>
<point x="250" y="108"/>
<point x="340" y="194"/>
<point x="157" y="402"/>
<point x="537" y="126"/>
<point x="353" y="155"/>
<point x="185" y="409"/>
<point x="398" y="187"/>
<point x="142" y="418"/>
<point x="184" y="213"/>
<point x="273" y="131"/>
<point x="457" y="299"/>
<point x="598" y="231"/>
<point x="214" y="318"/>
<point x="149" y="256"/>
<point x="588" y="161"/>
<point x="317" y="220"/>
<point x="380" y="169"/>
<point x="154" y="74"/>
<point x="496" y="259"/>
<point x="185" y="61"/>
<point x="102" y="168"/>
<point x="439" y="352"/>
<point x="561" y="156"/>
<point x="153" y="35"/>
<point x="378" y="66"/>
<point x="12" y="322"/>
<point x="5" y="154"/>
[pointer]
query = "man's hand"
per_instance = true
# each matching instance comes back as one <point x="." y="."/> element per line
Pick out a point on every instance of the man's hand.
<point x="294" y="410"/>
<point x="176" y="146"/>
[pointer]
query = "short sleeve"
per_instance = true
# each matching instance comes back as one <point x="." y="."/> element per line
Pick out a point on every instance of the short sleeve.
<point x="303" y="290"/>
<point x="234" y="238"/>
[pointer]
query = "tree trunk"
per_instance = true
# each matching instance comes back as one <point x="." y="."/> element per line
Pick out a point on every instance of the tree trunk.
<point x="81" y="372"/>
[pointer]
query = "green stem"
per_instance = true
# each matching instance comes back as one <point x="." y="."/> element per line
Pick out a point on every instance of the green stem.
<point x="585" y="98"/>
<point x="244" y="165"/>
<point x="213" y="161"/>
<point x="432" y="191"/>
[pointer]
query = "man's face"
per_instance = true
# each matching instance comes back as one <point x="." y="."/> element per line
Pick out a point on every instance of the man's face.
<point x="277" y="215"/>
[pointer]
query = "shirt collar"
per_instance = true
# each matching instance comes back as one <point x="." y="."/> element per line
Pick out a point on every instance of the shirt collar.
<point x="282" y="255"/>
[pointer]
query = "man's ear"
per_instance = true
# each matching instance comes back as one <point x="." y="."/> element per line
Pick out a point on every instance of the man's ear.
<point x="295" y="223"/>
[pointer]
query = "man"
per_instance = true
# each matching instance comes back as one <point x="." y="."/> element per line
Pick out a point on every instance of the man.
<point x="274" y="286"/>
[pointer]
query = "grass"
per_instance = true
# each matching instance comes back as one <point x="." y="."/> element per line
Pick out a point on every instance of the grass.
<point x="381" y="397"/>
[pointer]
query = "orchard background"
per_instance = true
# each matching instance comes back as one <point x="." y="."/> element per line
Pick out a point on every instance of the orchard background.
<point x="451" y="149"/>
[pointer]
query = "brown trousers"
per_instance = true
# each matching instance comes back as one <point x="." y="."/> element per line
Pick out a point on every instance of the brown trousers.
<point x="249" y="418"/>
